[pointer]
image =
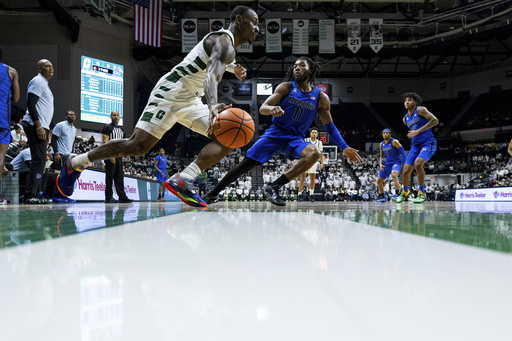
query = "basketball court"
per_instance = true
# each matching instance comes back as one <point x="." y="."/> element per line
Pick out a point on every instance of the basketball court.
<point x="254" y="271"/>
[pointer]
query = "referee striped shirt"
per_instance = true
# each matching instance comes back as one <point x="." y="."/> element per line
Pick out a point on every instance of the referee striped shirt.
<point x="113" y="132"/>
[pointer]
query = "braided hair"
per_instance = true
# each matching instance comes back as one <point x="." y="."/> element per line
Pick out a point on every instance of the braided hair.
<point x="314" y="68"/>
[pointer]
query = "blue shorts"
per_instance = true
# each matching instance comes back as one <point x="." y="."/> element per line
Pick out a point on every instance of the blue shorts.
<point x="5" y="136"/>
<point x="389" y="167"/>
<point x="273" y="141"/>
<point x="424" y="151"/>
<point x="160" y="177"/>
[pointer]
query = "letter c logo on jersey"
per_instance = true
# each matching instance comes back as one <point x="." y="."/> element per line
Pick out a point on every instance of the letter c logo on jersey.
<point x="189" y="26"/>
<point x="273" y="27"/>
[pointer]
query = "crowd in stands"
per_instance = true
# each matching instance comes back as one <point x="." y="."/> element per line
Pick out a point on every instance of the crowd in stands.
<point x="488" y="165"/>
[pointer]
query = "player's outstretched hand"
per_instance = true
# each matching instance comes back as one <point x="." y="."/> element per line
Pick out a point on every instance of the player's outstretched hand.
<point x="215" y="109"/>
<point x="240" y="72"/>
<point x="352" y="155"/>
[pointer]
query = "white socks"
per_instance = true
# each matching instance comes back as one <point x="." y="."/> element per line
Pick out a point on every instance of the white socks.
<point x="81" y="161"/>
<point x="191" y="172"/>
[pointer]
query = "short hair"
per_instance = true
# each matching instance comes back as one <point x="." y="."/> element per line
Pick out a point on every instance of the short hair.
<point x="313" y="128"/>
<point x="314" y="67"/>
<point x="16" y="127"/>
<point x="239" y="10"/>
<point x="412" y="95"/>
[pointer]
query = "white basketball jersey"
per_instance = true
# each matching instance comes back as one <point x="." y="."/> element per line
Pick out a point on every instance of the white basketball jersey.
<point x="192" y="70"/>
<point x="317" y="143"/>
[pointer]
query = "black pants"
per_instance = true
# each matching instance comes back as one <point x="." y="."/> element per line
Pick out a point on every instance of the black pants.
<point x="38" y="152"/>
<point x="114" y="171"/>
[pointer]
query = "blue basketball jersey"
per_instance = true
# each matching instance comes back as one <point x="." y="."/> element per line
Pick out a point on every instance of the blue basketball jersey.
<point x="5" y="96"/>
<point x="299" y="111"/>
<point x="162" y="162"/>
<point x="391" y="153"/>
<point x="415" y="122"/>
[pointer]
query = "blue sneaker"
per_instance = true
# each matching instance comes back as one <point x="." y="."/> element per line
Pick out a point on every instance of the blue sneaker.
<point x="184" y="189"/>
<point x="383" y="200"/>
<point x="68" y="175"/>
<point x="394" y="197"/>
<point x="63" y="200"/>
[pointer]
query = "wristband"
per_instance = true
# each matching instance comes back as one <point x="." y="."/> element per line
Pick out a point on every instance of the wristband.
<point x="230" y="67"/>
<point x="40" y="128"/>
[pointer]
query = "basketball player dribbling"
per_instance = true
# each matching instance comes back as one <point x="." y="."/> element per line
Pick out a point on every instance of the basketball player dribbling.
<point x="293" y="106"/>
<point x="176" y="98"/>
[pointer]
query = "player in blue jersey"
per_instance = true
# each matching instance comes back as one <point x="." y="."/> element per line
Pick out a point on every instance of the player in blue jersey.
<point x="420" y="122"/>
<point x="161" y="173"/>
<point x="9" y="89"/>
<point x="293" y="106"/>
<point x="395" y="159"/>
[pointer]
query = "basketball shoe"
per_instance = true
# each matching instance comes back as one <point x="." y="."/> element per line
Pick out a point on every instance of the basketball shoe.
<point x="273" y="196"/>
<point x="421" y="198"/>
<point x="210" y="199"/>
<point x="381" y="200"/>
<point x="403" y="196"/>
<point x="184" y="189"/>
<point x="68" y="175"/>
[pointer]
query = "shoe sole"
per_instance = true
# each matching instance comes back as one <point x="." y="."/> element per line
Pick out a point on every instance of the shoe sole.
<point x="186" y="200"/>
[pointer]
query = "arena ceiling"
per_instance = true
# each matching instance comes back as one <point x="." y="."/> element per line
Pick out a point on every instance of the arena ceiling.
<point x="422" y="38"/>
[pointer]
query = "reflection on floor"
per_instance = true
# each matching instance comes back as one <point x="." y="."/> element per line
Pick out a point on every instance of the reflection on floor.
<point x="486" y="225"/>
<point x="253" y="271"/>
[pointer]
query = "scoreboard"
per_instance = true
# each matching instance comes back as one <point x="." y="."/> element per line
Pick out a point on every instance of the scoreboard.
<point x="101" y="90"/>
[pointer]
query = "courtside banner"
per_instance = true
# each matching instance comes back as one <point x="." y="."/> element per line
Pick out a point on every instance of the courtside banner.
<point x="484" y="194"/>
<point x="273" y="43"/>
<point x="300" y="36"/>
<point x="90" y="186"/>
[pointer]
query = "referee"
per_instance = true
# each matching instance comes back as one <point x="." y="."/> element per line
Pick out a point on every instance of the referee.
<point x="114" y="166"/>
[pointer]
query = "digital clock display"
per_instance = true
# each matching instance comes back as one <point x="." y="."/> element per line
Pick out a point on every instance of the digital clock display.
<point x="323" y="137"/>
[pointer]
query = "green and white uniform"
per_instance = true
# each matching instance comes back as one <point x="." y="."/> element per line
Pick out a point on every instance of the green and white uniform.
<point x="320" y="147"/>
<point x="176" y="98"/>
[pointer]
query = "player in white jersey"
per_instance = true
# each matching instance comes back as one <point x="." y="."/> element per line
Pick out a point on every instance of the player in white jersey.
<point x="313" y="133"/>
<point x="176" y="98"/>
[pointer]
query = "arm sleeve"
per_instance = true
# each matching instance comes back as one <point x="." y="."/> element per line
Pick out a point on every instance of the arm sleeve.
<point x="31" y="106"/>
<point x="55" y="138"/>
<point x="335" y="135"/>
<point x="402" y="153"/>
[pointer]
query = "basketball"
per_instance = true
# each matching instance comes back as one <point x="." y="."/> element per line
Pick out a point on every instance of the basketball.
<point x="234" y="128"/>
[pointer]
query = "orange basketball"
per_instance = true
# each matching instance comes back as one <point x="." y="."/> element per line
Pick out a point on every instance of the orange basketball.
<point x="234" y="128"/>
